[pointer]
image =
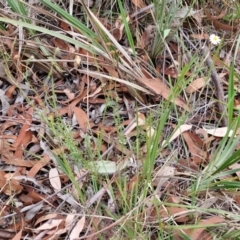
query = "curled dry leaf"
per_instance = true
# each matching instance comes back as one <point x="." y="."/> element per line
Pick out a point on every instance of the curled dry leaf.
<point x="69" y="220"/>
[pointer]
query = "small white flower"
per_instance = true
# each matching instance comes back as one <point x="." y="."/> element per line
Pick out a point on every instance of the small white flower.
<point x="214" y="39"/>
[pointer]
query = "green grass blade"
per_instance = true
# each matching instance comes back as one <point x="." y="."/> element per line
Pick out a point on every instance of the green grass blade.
<point x="73" y="21"/>
<point x="49" y="32"/>
<point x="127" y="29"/>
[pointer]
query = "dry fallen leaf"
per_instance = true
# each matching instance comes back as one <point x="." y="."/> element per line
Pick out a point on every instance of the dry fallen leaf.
<point x="50" y="224"/>
<point x="55" y="179"/>
<point x="139" y="3"/>
<point x="77" y="229"/>
<point x="35" y="208"/>
<point x="197" y="153"/>
<point x="46" y="217"/>
<point x="196" y="85"/>
<point x="157" y="86"/>
<point x="162" y="176"/>
<point x="219" y="132"/>
<point x="178" y="132"/>
<point x="69" y="94"/>
<point x="82" y="118"/>
<point x="236" y="166"/>
<point x="199" y="233"/>
<point x="181" y="214"/>
<point x="28" y="121"/>
<point x="212" y="220"/>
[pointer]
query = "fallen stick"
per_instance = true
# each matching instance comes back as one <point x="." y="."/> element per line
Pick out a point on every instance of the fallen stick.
<point x="217" y="86"/>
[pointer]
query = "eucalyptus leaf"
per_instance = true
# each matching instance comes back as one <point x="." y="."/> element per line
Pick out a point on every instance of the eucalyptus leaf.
<point x="104" y="167"/>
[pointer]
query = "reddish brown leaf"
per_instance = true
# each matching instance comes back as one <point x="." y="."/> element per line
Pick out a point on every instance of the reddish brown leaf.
<point x="2" y="179"/>
<point x="220" y="16"/>
<point x="139" y="3"/>
<point x="44" y="161"/>
<point x="64" y="26"/>
<point x="17" y="161"/>
<point x="172" y="72"/>
<point x="212" y="220"/>
<point x="61" y="44"/>
<point x="182" y="214"/>
<point x="82" y="118"/>
<point x="18" y="236"/>
<point x="194" y="150"/>
<point x="25" y="142"/>
<point x="147" y="36"/>
<point x="26" y="125"/>
<point x="158" y="87"/>
<point x="219" y="25"/>
<point x="189" y="164"/>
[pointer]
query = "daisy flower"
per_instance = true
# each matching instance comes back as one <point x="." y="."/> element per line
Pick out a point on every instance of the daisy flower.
<point x="214" y="39"/>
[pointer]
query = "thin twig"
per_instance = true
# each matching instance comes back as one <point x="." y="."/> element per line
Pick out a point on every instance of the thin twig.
<point x="217" y="85"/>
